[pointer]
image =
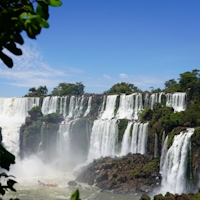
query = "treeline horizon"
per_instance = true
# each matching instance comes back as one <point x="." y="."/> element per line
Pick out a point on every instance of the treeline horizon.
<point x="188" y="82"/>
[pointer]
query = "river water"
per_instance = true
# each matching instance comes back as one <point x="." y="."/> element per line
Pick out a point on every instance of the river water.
<point x="29" y="171"/>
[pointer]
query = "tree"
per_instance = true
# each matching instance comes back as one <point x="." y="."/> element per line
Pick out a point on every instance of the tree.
<point x="190" y="83"/>
<point x="41" y="91"/>
<point x="21" y="15"/>
<point x="68" y="89"/>
<point x="122" y="87"/>
<point x="170" y="83"/>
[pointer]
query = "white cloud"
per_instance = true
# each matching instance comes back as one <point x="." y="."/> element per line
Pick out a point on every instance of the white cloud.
<point x="30" y="69"/>
<point x="75" y="70"/>
<point x="123" y="76"/>
<point x="106" y="76"/>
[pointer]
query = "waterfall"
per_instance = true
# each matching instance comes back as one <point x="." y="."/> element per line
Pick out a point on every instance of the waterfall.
<point x="125" y="110"/>
<point x="13" y="112"/>
<point x="160" y="97"/>
<point x="102" y="107"/>
<point x="89" y="106"/>
<point x="109" y="111"/>
<point x="174" y="170"/>
<point x="153" y="99"/>
<point x="156" y="146"/>
<point x="49" y="105"/>
<point x="163" y="139"/>
<point x="138" y="142"/>
<point x="134" y="139"/>
<point x="126" y="141"/>
<point x="138" y="107"/>
<point x="103" y="139"/>
<point x="64" y="139"/>
<point x="63" y="105"/>
<point x="177" y="101"/>
<point x="146" y="100"/>
<point x="163" y="153"/>
<point x="142" y="138"/>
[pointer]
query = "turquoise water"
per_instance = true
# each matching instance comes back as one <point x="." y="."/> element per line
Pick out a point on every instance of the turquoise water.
<point x="34" y="192"/>
<point x="29" y="171"/>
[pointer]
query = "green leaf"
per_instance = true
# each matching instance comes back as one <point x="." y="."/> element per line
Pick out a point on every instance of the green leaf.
<point x="2" y="190"/>
<point x="75" y="195"/>
<point x="55" y="3"/>
<point x="11" y="182"/>
<point x="12" y="48"/>
<point x="17" y="38"/>
<point x="6" y="158"/>
<point x="29" y="8"/>
<point x="43" y="10"/>
<point x="8" y="61"/>
<point x="44" y="24"/>
<point x="23" y="15"/>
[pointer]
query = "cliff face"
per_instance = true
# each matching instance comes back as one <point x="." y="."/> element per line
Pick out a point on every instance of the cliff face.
<point x="134" y="173"/>
<point x="195" y="156"/>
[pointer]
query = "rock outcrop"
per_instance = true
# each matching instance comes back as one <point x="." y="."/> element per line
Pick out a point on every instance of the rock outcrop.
<point x="134" y="173"/>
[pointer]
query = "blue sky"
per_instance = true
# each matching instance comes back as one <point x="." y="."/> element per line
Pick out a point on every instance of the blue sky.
<point x="104" y="42"/>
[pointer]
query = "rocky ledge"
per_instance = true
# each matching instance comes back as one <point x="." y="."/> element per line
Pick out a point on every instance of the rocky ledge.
<point x="169" y="196"/>
<point x="134" y="173"/>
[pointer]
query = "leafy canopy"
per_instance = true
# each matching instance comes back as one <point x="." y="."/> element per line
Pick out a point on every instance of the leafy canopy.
<point x="119" y="88"/>
<point x="41" y="91"/>
<point x="68" y="89"/>
<point x="21" y="15"/>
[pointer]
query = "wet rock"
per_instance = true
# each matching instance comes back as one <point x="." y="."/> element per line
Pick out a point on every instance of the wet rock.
<point x="145" y="197"/>
<point x="134" y="173"/>
<point x="72" y="183"/>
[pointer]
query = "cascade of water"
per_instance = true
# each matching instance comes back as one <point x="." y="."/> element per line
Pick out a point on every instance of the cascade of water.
<point x="163" y="139"/>
<point x="142" y="138"/>
<point x="163" y="153"/>
<point x="13" y="112"/>
<point x="64" y="112"/>
<point x="169" y="100"/>
<point x="177" y="101"/>
<point x="138" y="105"/>
<point x="103" y="139"/>
<point x="49" y="105"/>
<point x="146" y="100"/>
<point x="63" y="142"/>
<point x="109" y="111"/>
<point x="160" y="97"/>
<point x="89" y="106"/>
<point x="126" y="141"/>
<point x="78" y="106"/>
<point x="138" y="142"/>
<point x="156" y="146"/>
<point x="134" y="139"/>
<point x="102" y="107"/>
<point x="61" y="105"/>
<point x="174" y="178"/>
<point x="153" y="99"/>
<point x="125" y="107"/>
<point x="71" y="107"/>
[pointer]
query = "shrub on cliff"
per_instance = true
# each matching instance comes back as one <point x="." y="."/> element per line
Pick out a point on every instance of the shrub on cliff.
<point x="53" y="118"/>
<point x="119" y="88"/>
<point x="35" y="113"/>
<point x="195" y="139"/>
